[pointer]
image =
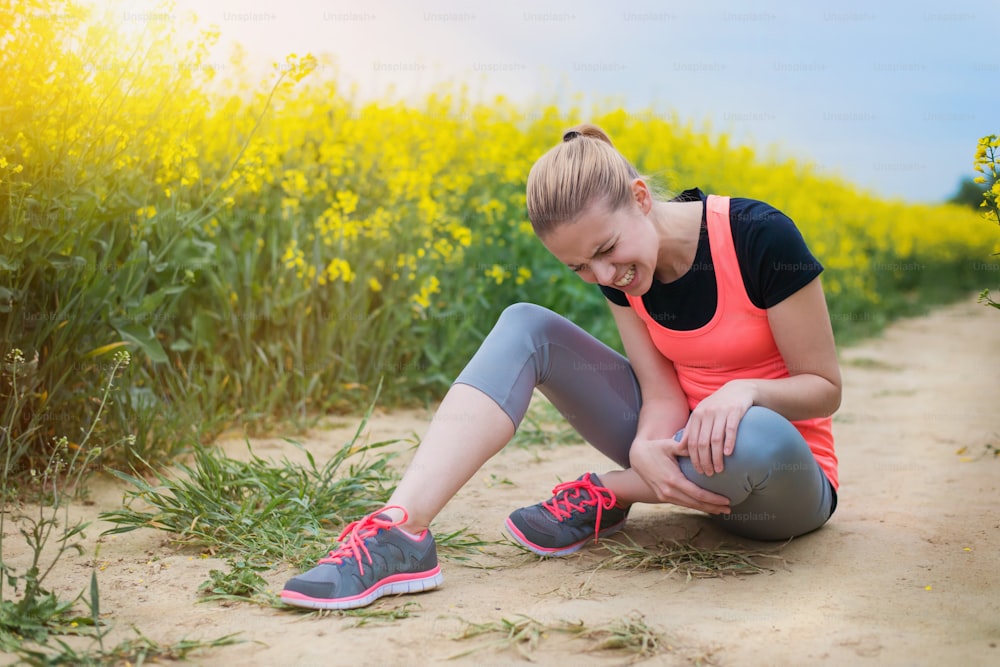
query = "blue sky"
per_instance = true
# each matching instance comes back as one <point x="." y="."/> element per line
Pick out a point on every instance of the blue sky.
<point x="890" y="96"/>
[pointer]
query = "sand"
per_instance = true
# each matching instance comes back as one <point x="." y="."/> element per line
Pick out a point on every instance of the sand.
<point x="905" y="573"/>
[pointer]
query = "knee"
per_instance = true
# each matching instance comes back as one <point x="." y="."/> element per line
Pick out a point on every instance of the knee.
<point x="769" y="437"/>
<point x="525" y="317"/>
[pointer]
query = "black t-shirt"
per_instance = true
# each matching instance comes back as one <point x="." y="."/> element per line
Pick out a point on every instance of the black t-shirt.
<point x="773" y="257"/>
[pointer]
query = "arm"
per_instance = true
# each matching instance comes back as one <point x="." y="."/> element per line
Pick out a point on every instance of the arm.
<point x="801" y="328"/>
<point x="664" y="406"/>
<point x="653" y="455"/>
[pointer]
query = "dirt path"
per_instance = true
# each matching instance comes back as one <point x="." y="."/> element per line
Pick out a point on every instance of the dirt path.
<point x="904" y="574"/>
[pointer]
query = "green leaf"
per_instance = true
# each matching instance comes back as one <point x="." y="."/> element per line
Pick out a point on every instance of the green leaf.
<point x="143" y="338"/>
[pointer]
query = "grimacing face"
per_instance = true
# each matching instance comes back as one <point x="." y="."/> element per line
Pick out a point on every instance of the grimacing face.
<point x="617" y="249"/>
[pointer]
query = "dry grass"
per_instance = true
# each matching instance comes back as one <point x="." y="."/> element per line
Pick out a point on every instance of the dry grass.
<point x="684" y="557"/>
<point x="629" y="636"/>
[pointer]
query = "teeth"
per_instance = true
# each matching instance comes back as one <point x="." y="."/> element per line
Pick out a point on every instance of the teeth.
<point x="627" y="278"/>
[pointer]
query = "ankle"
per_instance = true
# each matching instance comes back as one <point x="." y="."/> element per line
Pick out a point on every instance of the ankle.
<point x="395" y="513"/>
<point x="613" y="481"/>
<point x="412" y="531"/>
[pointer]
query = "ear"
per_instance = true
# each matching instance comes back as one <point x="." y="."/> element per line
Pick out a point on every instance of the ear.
<point x="643" y="197"/>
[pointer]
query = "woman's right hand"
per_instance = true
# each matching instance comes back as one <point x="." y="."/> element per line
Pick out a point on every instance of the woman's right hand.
<point x="655" y="461"/>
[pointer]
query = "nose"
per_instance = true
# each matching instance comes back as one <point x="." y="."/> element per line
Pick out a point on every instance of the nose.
<point x="603" y="271"/>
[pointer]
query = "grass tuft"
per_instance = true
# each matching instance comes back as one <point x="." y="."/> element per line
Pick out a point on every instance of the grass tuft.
<point x="630" y="636"/>
<point x="369" y="615"/>
<point x="257" y="513"/>
<point x="522" y="634"/>
<point x="460" y="545"/>
<point x="136" y="651"/>
<point x="257" y="510"/>
<point x="686" y="558"/>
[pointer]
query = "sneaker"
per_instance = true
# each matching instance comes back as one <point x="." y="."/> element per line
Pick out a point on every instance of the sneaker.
<point x="374" y="558"/>
<point x="561" y="525"/>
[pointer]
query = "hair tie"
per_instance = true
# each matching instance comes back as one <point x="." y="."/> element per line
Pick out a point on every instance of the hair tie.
<point x="571" y="135"/>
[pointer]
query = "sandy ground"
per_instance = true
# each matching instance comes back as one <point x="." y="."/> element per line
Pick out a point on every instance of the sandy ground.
<point x="906" y="572"/>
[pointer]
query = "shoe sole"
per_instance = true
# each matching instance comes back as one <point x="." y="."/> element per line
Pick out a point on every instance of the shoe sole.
<point x="396" y="585"/>
<point x="558" y="551"/>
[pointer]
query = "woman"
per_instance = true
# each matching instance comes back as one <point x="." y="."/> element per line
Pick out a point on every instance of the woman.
<point x="722" y="403"/>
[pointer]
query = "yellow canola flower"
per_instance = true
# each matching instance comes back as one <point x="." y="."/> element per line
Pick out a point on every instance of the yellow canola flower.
<point x="431" y="286"/>
<point x="339" y="269"/>
<point x="462" y="234"/>
<point x="497" y="273"/>
<point x="293" y="258"/>
<point x="348" y="202"/>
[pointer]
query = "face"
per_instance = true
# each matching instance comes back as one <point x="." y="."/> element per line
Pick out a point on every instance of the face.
<point x="616" y="249"/>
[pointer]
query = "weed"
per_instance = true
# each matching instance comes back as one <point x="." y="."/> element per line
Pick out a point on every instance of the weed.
<point x="257" y="510"/>
<point x="136" y="651"/>
<point x="39" y="613"/>
<point x="241" y="582"/>
<point x="31" y="626"/>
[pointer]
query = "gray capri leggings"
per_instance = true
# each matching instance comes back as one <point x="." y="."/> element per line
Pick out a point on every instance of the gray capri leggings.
<point x="775" y="487"/>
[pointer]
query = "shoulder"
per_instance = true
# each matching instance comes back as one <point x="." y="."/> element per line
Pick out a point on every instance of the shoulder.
<point x="761" y="229"/>
<point x="774" y="259"/>
<point x="753" y="215"/>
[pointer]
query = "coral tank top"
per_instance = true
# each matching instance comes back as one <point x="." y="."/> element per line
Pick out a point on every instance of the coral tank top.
<point x="736" y="343"/>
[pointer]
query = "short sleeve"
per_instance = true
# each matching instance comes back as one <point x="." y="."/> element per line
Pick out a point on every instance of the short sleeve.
<point x="775" y="261"/>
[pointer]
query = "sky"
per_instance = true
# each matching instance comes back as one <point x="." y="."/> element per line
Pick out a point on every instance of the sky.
<point x="891" y="96"/>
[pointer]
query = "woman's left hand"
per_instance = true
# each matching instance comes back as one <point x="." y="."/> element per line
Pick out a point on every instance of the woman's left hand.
<point x="710" y="433"/>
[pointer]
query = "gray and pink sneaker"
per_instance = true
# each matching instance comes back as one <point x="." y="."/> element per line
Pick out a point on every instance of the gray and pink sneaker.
<point x="374" y="558"/>
<point x="579" y="510"/>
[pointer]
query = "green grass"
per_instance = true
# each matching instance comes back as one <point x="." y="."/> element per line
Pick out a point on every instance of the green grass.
<point x="259" y="513"/>
<point x="138" y="650"/>
<point x="543" y="425"/>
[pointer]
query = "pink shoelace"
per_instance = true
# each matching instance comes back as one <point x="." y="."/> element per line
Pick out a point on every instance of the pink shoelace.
<point x="562" y="504"/>
<point x="356" y="533"/>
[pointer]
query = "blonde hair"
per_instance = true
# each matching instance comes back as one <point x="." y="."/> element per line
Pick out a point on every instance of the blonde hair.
<point x="583" y="170"/>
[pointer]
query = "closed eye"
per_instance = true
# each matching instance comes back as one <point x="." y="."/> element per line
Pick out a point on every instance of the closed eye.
<point x="600" y="253"/>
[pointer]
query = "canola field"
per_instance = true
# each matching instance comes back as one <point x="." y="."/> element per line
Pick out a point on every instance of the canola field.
<point x="274" y="250"/>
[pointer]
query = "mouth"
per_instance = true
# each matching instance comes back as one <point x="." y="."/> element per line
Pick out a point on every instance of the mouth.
<point x="627" y="279"/>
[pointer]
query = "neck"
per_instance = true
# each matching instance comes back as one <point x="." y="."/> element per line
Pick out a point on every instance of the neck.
<point x="678" y="226"/>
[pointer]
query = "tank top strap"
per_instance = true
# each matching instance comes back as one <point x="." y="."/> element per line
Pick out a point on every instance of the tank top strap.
<point x="728" y="277"/>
